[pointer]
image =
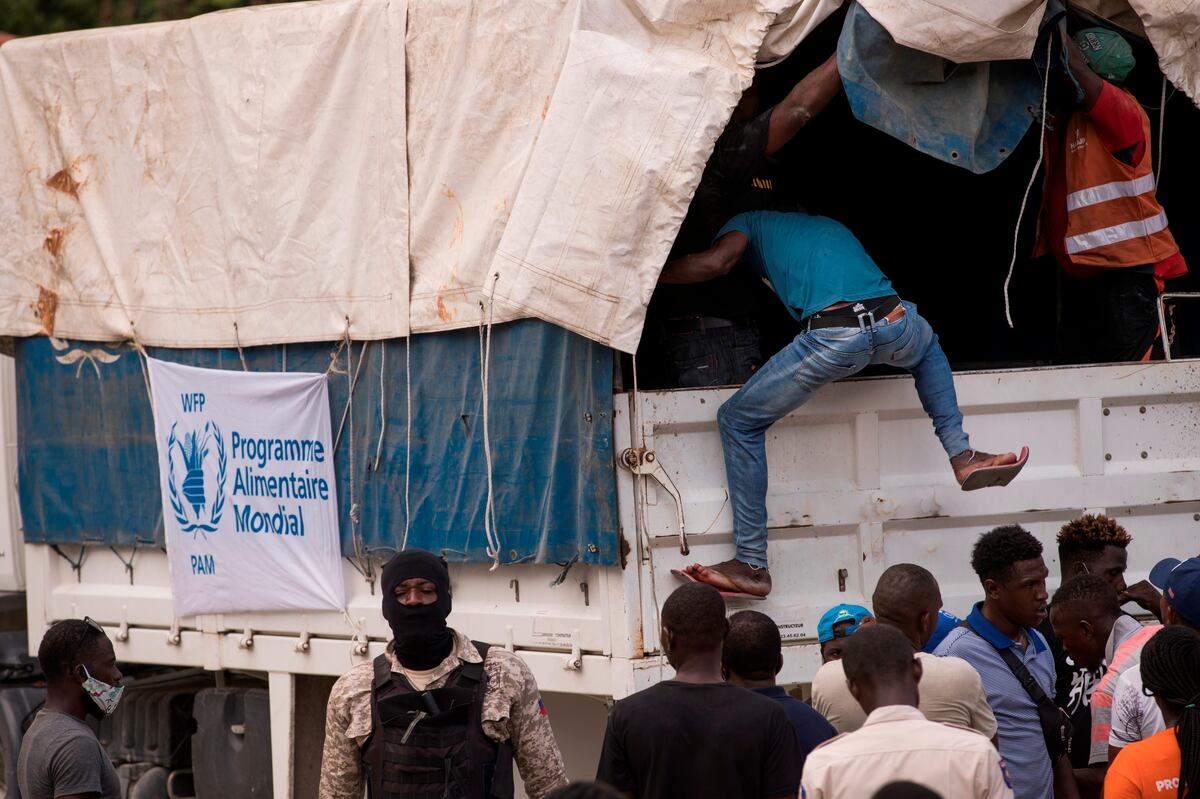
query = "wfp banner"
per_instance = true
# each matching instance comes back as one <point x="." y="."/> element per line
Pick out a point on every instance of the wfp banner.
<point x="248" y="491"/>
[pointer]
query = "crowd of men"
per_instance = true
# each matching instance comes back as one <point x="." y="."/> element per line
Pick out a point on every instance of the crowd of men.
<point x="1027" y="696"/>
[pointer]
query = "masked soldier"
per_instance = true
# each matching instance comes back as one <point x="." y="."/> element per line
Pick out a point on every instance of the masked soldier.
<point x="436" y="715"/>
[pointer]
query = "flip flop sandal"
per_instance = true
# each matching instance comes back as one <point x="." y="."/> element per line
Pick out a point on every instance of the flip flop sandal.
<point x="728" y="594"/>
<point x="991" y="476"/>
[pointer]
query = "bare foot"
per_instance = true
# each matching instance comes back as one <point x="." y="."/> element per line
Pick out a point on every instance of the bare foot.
<point x="972" y="460"/>
<point x="733" y="576"/>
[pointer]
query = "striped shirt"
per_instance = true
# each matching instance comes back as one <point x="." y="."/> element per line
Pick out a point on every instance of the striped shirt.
<point x="1022" y="744"/>
<point x="1123" y="650"/>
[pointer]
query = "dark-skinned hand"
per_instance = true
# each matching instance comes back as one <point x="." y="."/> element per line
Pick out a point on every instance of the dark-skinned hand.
<point x="1144" y="595"/>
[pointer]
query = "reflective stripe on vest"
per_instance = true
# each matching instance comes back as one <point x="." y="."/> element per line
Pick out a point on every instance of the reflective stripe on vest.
<point x="1115" y="234"/>
<point x="1113" y="218"/>
<point x="1110" y="191"/>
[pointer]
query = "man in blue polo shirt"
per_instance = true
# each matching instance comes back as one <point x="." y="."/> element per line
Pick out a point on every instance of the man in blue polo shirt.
<point x="1009" y="563"/>
<point x="851" y="318"/>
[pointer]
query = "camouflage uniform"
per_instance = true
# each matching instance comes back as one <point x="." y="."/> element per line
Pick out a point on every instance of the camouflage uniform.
<point x="512" y="708"/>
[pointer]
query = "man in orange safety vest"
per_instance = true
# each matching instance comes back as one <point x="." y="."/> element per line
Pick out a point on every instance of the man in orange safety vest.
<point x="1100" y="216"/>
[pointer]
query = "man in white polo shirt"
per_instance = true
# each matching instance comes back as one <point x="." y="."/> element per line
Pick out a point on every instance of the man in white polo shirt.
<point x="908" y="598"/>
<point x="896" y="742"/>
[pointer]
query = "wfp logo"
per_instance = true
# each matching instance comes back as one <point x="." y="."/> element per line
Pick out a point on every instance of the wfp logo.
<point x="194" y="507"/>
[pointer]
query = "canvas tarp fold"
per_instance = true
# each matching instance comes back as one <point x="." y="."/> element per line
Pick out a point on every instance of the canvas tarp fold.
<point x="164" y="182"/>
<point x="963" y="31"/>
<point x="253" y="166"/>
<point x="606" y="188"/>
<point x="294" y="172"/>
<point x="1173" y="27"/>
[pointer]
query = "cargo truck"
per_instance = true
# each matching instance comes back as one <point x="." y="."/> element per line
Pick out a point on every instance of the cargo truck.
<point x="601" y="489"/>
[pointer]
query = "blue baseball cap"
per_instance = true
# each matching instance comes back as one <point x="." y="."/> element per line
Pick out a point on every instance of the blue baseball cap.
<point x="840" y="614"/>
<point x="1179" y="580"/>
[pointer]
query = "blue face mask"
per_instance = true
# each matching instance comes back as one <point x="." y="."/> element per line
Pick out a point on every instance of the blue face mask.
<point x="106" y="697"/>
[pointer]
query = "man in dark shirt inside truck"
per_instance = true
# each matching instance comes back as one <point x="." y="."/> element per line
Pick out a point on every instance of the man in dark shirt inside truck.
<point x="707" y="334"/>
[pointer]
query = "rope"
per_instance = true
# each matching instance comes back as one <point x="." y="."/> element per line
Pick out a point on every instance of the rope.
<point x="1162" y="119"/>
<point x="238" y="340"/>
<point x="485" y="357"/>
<point x="1025" y="199"/>
<point x="362" y="354"/>
<point x="407" y="431"/>
<point x="128" y="564"/>
<point x="142" y="356"/>
<point x="382" y="406"/>
<point x="355" y="537"/>
<point x="76" y="565"/>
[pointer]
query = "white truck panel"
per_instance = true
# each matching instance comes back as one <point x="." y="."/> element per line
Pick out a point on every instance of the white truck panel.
<point x="859" y="482"/>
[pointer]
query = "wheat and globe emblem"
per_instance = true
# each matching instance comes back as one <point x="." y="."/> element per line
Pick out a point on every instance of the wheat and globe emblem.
<point x="195" y="503"/>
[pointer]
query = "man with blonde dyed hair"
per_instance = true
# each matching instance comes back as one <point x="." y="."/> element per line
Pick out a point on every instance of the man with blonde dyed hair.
<point x="907" y="597"/>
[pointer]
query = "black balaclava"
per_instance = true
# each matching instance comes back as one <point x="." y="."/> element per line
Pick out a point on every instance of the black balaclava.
<point x="422" y="639"/>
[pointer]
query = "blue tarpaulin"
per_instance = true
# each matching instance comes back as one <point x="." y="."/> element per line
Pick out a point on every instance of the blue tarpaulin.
<point x="970" y="115"/>
<point x="88" y="464"/>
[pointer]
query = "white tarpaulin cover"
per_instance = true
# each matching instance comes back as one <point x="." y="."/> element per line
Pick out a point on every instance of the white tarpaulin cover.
<point x="246" y="166"/>
<point x="989" y="30"/>
<point x="1173" y="27"/>
<point x="963" y="31"/>
<point x="248" y="489"/>
<point x="643" y="94"/>
<point x="250" y="166"/>
<point x="278" y="173"/>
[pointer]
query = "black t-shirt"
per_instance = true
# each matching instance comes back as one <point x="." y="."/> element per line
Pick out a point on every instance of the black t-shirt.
<point x="737" y="178"/>
<point x="1073" y="693"/>
<point x="683" y="739"/>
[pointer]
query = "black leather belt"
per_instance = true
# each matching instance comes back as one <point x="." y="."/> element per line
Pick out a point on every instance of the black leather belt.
<point x="858" y="314"/>
<point x="691" y="324"/>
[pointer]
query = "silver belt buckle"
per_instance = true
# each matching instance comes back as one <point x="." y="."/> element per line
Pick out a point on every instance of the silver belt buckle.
<point x="862" y="326"/>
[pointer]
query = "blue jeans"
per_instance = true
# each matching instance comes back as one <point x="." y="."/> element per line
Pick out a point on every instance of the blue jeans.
<point x="787" y="380"/>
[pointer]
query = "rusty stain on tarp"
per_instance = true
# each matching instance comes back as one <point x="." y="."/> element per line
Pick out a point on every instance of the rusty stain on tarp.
<point x="53" y="243"/>
<point x="443" y="312"/>
<point x="64" y="181"/>
<point x="46" y="309"/>
<point x="457" y="233"/>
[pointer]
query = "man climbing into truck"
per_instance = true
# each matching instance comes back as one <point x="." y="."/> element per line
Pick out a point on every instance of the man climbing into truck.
<point x="851" y="318"/>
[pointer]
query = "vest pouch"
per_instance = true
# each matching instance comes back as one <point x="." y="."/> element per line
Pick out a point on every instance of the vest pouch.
<point x="431" y="744"/>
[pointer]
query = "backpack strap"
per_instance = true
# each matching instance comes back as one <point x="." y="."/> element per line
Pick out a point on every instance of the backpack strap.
<point x="1056" y="725"/>
<point x="474" y="671"/>
<point x="383" y="672"/>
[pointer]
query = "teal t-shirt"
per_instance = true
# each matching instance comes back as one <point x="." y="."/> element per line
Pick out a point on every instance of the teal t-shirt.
<point x="811" y="262"/>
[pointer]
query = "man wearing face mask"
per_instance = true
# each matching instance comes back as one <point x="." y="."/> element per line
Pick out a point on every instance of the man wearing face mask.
<point x="436" y="715"/>
<point x="60" y="755"/>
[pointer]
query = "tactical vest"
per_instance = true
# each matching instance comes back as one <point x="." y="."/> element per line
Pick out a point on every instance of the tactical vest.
<point x="431" y="744"/>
